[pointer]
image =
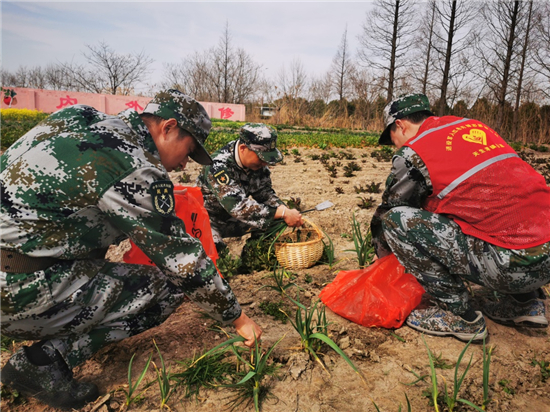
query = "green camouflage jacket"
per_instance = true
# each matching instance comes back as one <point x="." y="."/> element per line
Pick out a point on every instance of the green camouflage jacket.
<point x="82" y="180"/>
<point x="408" y="184"/>
<point x="231" y="191"/>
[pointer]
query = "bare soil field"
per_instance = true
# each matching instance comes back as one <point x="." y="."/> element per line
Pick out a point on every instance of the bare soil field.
<point x="387" y="358"/>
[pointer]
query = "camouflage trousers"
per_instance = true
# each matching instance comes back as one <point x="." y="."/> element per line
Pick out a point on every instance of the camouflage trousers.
<point x="118" y="301"/>
<point x="433" y="248"/>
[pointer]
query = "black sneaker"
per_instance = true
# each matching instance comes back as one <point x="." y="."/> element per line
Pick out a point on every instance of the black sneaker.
<point x="51" y="384"/>
<point x="511" y="312"/>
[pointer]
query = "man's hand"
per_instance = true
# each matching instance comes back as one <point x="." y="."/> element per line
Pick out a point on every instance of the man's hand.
<point x="292" y="217"/>
<point x="247" y="328"/>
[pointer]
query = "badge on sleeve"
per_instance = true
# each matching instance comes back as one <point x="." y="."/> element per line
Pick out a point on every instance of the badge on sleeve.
<point x="221" y="177"/>
<point x="162" y="194"/>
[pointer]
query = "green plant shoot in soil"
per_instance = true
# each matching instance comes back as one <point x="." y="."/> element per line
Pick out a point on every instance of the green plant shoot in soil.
<point x="361" y="243"/>
<point x="131" y="397"/>
<point x="311" y="324"/>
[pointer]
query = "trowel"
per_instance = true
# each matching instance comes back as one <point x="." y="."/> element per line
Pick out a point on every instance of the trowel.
<point x="321" y="206"/>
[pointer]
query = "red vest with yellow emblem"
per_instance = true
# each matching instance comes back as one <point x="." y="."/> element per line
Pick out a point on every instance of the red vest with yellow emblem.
<point x="481" y="183"/>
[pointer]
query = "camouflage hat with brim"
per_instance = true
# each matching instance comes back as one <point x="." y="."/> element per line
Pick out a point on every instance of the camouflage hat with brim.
<point x="399" y="108"/>
<point x="190" y="115"/>
<point x="262" y="140"/>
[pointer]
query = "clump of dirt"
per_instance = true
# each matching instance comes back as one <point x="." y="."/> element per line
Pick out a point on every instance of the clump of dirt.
<point x="390" y="359"/>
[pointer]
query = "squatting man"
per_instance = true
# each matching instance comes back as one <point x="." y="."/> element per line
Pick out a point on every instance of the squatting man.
<point x="237" y="189"/>
<point x="77" y="183"/>
<point x="460" y="204"/>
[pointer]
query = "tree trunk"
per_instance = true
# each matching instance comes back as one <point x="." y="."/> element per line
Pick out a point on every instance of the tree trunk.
<point x="445" y="82"/>
<point x="521" y="71"/>
<point x="428" y="52"/>
<point x="391" y="74"/>
<point x="506" y="68"/>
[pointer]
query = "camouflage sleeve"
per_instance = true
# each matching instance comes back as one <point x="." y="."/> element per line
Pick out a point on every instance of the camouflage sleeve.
<point x="129" y="206"/>
<point x="408" y="184"/>
<point x="267" y="195"/>
<point x="232" y="197"/>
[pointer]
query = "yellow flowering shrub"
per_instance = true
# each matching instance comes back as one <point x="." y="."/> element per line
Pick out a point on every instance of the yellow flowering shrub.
<point x="16" y="122"/>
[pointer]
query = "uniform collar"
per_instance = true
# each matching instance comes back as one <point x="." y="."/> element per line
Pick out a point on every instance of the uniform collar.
<point x="132" y="119"/>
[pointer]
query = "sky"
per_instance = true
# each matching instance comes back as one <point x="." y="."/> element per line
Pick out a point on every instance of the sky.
<point x="273" y="33"/>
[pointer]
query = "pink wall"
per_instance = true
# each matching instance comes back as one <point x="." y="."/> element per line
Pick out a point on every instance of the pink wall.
<point x="50" y="101"/>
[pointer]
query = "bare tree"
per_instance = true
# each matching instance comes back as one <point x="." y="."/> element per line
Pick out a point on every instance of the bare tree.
<point x="108" y="71"/>
<point x="365" y="85"/>
<point x="56" y="77"/>
<point x="7" y="79"/>
<point x="37" y="78"/>
<point x="220" y="74"/>
<point x="386" y="40"/>
<point x="541" y="56"/>
<point x="342" y="68"/>
<point x="191" y="76"/>
<point x="321" y="88"/>
<point x="19" y="78"/>
<point x="291" y="85"/>
<point x="246" y="75"/>
<point x="233" y="73"/>
<point x="366" y="94"/>
<point x="267" y="91"/>
<point x="453" y="18"/>
<point x="526" y="50"/>
<point x="51" y="77"/>
<point x="424" y="47"/>
<point x="10" y="79"/>
<point x="499" y="48"/>
<point x="292" y="82"/>
<point x="223" y="65"/>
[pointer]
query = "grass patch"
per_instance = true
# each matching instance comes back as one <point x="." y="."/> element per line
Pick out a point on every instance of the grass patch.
<point x="275" y="310"/>
<point x="204" y="372"/>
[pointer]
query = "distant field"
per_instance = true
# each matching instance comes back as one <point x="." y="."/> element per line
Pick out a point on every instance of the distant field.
<point x="17" y="122"/>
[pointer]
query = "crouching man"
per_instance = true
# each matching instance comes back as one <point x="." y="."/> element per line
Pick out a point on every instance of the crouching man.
<point x="237" y="186"/>
<point x="460" y="204"/>
<point x="72" y="186"/>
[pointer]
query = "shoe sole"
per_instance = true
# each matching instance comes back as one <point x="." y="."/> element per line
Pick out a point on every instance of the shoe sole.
<point x="525" y="321"/>
<point x="14" y="379"/>
<point x="465" y="337"/>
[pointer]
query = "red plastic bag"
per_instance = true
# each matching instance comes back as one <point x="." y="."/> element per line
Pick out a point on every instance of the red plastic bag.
<point x="381" y="295"/>
<point x="189" y="207"/>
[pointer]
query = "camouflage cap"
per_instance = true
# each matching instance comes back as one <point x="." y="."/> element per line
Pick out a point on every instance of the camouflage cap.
<point x="190" y="115"/>
<point x="262" y="140"/>
<point x="399" y="108"/>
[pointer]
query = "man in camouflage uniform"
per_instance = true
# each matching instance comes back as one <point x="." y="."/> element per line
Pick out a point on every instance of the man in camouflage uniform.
<point x="75" y="184"/>
<point x="237" y="186"/>
<point x="461" y="205"/>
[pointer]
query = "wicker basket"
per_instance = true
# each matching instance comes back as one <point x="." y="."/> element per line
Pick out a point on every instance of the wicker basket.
<point x="300" y="255"/>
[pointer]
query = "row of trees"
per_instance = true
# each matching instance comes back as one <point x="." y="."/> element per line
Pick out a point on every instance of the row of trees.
<point x="457" y="52"/>
<point x="105" y="71"/>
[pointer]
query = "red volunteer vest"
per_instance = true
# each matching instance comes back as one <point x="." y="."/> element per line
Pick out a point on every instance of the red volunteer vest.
<point x="481" y="183"/>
